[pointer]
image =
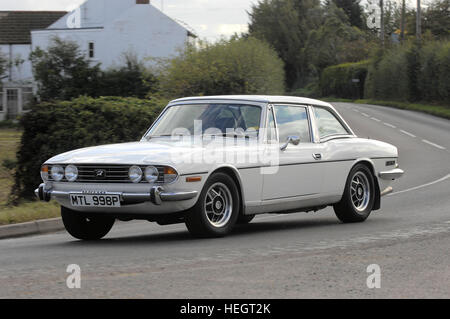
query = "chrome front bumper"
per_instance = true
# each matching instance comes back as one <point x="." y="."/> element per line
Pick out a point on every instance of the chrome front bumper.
<point x="392" y="174"/>
<point x="157" y="195"/>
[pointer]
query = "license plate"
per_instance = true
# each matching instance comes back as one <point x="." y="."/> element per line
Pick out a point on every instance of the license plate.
<point x="78" y="200"/>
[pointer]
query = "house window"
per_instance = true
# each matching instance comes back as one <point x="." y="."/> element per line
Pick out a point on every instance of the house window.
<point x="27" y="98"/>
<point x="12" y="103"/>
<point x="91" y="50"/>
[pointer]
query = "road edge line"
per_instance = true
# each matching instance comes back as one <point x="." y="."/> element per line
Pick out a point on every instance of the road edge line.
<point x="421" y="186"/>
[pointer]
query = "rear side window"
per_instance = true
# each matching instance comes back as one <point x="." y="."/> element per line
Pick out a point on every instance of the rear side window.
<point x="327" y="123"/>
<point x="292" y="121"/>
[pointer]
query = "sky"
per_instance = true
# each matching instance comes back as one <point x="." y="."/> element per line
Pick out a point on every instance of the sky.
<point x="210" y="19"/>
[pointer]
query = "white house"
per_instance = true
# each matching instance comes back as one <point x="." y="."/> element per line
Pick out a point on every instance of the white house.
<point x="106" y="30"/>
<point x="16" y="84"/>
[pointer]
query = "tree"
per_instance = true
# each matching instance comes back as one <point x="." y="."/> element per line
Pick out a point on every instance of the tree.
<point x="353" y="10"/>
<point x="436" y="19"/>
<point x="64" y="72"/>
<point x="236" y="66"/>
<point x="285" y="25"/>
<point x="335" y="42"/>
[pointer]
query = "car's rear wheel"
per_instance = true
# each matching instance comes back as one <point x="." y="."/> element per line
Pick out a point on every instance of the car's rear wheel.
<point x="217" y="208"/>
<point x="359" y="196"/>
<point x="86" y="227"/>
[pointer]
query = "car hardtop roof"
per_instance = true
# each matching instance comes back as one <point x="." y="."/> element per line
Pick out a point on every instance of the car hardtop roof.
<point x="256" y="98"/>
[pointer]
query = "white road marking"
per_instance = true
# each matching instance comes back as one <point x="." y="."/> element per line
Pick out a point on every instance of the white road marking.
<point x="365" y="114"/>
<point x="421" y="186"/>
<point x="407" y="133"/>
<point x="375" y="119"/>
<point x="434" y="144"/>
<point x="390" y="125"/>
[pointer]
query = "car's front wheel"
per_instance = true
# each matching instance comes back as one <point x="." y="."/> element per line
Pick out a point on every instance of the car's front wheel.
<point x="86" y="227"/>
<point x="359" y="196"/>
<point x="217" y="208"/>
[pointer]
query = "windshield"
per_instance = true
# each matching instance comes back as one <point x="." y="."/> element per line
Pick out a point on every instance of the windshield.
<point x="208" y="119"/>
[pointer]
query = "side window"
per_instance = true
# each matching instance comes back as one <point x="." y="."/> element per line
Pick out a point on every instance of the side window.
<point x="292" y="121"/>
<point x="327" y="123"/>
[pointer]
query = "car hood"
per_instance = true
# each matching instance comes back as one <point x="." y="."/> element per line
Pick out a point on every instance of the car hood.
<point x="125" y="153"/>
<point x="153" y="152"/>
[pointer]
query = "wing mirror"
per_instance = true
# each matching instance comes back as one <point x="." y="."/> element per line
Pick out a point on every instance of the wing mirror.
<point x="294" y="140"/>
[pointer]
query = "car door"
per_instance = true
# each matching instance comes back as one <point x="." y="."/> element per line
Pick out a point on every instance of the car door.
<point x="296" y="174"/>
<point x="337" y="159"/>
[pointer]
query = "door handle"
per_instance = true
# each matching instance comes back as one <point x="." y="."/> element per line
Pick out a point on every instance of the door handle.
<point x="317" y="156"/>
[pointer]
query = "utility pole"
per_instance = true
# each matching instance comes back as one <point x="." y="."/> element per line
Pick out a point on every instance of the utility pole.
<point x="382" y="21"/>
<point x="402" y="33"/>
<point x="419" y="21"/>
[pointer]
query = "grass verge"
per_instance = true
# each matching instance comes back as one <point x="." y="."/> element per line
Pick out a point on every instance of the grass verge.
<point x="27" y="212"/>
<point x="9" y="143"/>
<point x="437" y="110"/>
<point x="433" y="109"/>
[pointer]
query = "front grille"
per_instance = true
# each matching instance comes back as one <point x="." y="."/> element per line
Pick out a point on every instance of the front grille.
<point x="112" y="174"/>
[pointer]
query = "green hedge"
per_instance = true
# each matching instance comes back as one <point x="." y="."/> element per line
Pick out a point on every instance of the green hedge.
<point x="411" y="72"/>
<point x="56" y="127"/>
<point x="338" y="80"/>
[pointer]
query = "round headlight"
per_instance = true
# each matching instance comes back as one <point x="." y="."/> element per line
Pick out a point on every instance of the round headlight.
<point x="44" y="173"/>
<point x="151" y="174"/>
<point x="57" y="173"/>
<point x="135" y="174"/>
<point x="71" y="173"/>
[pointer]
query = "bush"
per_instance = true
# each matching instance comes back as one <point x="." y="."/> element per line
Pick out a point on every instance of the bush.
<point x="433" y="82"/>
<point x="56" y="127"/>
<point x="237" y="66"/>
<point x="411" y="73"/>
<point x="338" y="80"/>
<point x="388" y="76"/>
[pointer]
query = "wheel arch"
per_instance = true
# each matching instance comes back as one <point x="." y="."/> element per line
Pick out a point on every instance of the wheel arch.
<point x="371" y="166"/>
<point x="234" y="174"/>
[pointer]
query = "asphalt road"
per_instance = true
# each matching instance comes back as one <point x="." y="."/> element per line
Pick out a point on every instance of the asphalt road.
<point x="293" y="256"/>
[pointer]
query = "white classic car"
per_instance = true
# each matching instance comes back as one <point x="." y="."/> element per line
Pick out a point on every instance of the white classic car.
<point x="213" y="162"/>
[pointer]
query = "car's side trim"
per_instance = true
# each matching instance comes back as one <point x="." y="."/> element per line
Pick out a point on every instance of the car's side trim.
<point x="293" y="164"/>
<point x="289" y="197"/>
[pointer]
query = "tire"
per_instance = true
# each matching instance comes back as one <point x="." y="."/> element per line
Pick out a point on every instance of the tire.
<point x="214" y="215"/>
<point x="85" y="227"/>
<point x="245" y="219"/>
<point x="359" y="196"/>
